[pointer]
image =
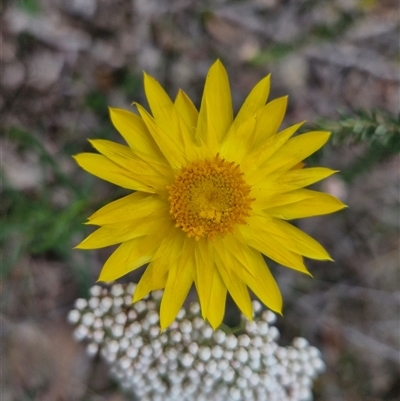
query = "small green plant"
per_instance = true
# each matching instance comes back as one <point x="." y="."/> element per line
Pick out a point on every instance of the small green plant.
<point x="378" y="130"/>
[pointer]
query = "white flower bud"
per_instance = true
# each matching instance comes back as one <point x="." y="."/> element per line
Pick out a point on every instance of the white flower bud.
<point x="146" y="350"/>
<point x="244" y="340"/>
<point x="98" y="323"/>
<point x="117" y="290"/>
<point x="204" y="353"/>
<point x="187" y="360"/>
<point x="241" y="382"/>
<point x="73" y="316"/>
<point x="266" y="349"/>
<point x="113" y="346"/>
<point x="305" y="394"/>
<point x="181" y="314"/>
<point x="105" y="304"/>
<point x="254" y="353"/>
<point x="257" y="307"/>
<point x="154" y="331"/>
<point x="211" y="367"/>
<point x="80" y="303"/>
<point x="132" y="352"/>
<point x="228" y="354"/>
<point x="193" y="348"/>
<point x="95" y="291"/>
<point x="229" y="375"/>
<point x="92" y="349"/>
<point x="140" y="306"/>
<point x="194" y="308"/>
<point x="98" y="336"/>
<point x="199" y="366"/>
<point x="217" y="351"/>
<point x="231" y="341"/>
<point x="130" y="288"/>
<point x="132" y="315"/>
<point x="117" y="330"/>
<point x="273" y="333"/>
<point x="171" y="353"/>
<point x="151" y="305"/>
<point x="94" y="303"/>
<point x="314" y="352"/>
<point x="81" y="332"/>
<point x="223" y="365"/>
<point x="185" y="326"/>
<point x="251" y="327"/>
<point x="255" y="364"/>
<point x="235" y="394"/>
<point x="134" y="328"/>
<point x="125" y="362"/>
<point x="118" y="303"/>
<point x="281" y="353"/>
<point x="262" y="328"/>
<point x="127" y="300"/>
<point x="137" y="342"/>
<point x="176" y="336"/>
<point x="246" y="372"/>
<point x="300" y="343"/>
<point x="219" y="336"/>
<point x="257" y="342"/>
<point x="121" y="318"/>
<point x="152" y="317"/>
<point x="163" y="339"/>
<point x="268" y="316"/>
<point x="207" y="332"/>
<point x="241" y="355"/>
<point x="318" y="364"/>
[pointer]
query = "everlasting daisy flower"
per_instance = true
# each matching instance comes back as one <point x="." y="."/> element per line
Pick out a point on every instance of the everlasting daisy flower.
<point x="212" y="195"/>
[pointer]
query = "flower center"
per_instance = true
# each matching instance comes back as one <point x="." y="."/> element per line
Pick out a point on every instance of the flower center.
<point x="209" y="197"/>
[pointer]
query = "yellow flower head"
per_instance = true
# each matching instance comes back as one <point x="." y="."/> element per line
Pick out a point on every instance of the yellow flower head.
<point x="212" y="195"/>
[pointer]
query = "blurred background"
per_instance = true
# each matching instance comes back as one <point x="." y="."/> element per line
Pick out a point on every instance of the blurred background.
<point x="65" y="62"/>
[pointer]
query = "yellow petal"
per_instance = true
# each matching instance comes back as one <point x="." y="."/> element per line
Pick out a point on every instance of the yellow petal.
<point x="154" y="278"/>
<point x="257" y="235"/>
<point x="277" y="200"/>
<point x="129" y="256"/>
<point x="156" y="274"/>
<point x="180" y="278"/>
<point x="216" y="307"/>
<point x="239" y="140"/>
<point x="162" y="108"/>
<point x="134" y="206"/>
<point x="104" y="168"/>
<point x="269" y="120"/>
<point x="286" y="181"/>
<point x="154" y="175"/>
<point x="295" y="240"/>
<point x="294" y="151"/>
<point x="169" y="146"/>
<point x="204" y="258"/>
<point x="134" y="131"/>
<point x="255" y="273"/>
<point x="116" y="233"/>
<point x="254" y="101"/>
<point x="255" y="159"/>
<point x="313" y="204"/>
<point x="229" y="269"/>
<point x="215" y="116"/>
<point x="305" y="176"/>
<point x="187" y="110"/>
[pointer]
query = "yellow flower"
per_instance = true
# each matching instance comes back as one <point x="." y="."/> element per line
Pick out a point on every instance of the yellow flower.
<point x="212" y="195"/>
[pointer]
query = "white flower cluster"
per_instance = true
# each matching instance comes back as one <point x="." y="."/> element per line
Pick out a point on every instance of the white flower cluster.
<point x="190" y="361"/>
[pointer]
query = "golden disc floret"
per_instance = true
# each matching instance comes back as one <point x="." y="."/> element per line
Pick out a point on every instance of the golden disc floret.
<point x="209" y="197"/>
